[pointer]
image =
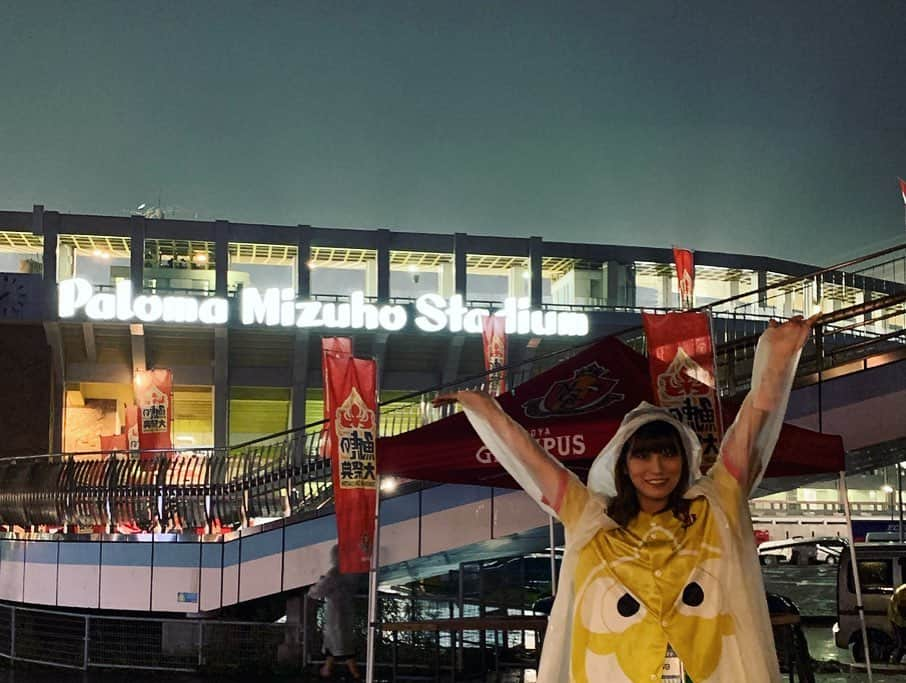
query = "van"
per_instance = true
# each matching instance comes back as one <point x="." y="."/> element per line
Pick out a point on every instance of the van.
<point x="882" y="567"/>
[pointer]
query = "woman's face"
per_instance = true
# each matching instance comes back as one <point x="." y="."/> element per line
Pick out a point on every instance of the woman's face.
<point x="654" y="476"/>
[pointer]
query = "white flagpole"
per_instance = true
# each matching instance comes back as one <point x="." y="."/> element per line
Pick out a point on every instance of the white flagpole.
<point x="373" y="584"/>
<point x="550" y="528"/>
<point x="844" y="498"/>
<point x="376" y="544"/>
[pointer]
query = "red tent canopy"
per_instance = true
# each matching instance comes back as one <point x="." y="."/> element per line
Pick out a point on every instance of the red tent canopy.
<point x="573" y="410"/>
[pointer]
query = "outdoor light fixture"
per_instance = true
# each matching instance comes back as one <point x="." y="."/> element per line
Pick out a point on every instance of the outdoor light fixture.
<point x="887" y="488"/>
<point x="389" y="484"/>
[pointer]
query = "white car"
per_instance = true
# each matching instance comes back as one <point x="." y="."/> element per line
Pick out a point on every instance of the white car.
<point x="801" y="550"/>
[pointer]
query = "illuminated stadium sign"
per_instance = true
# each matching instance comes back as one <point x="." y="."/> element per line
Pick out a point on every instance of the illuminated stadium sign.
<point x="276" y="307"/>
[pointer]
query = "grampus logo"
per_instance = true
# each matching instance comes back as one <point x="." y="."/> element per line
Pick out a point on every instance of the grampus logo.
<point x="684" y="377"/>
<point x="587" y="390"/>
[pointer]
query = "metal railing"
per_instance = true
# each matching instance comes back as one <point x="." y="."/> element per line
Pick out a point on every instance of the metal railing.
<point x="287" y="473"/>
<point x="799" y="508"/>
<point x="83" y="641"/>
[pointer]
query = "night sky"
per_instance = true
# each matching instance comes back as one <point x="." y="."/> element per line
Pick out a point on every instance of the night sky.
<point x="773" y="128"/>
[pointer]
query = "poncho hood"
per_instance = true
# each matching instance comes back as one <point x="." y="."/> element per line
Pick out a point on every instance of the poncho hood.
<point x="601" y="479"/>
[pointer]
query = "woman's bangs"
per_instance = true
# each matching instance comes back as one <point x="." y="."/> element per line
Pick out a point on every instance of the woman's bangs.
<point x="656" y="437"/>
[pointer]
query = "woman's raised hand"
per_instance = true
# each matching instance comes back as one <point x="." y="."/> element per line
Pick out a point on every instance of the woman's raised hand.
<point x="790" y="336"/>
<point x="445" y="399"/>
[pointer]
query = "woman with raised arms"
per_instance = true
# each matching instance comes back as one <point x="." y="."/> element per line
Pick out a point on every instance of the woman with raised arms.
<point x="660" y="575"/>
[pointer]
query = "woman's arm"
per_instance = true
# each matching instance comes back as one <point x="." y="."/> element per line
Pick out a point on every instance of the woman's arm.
<point x="540" y="475"/>
<point x="750" y="440"/>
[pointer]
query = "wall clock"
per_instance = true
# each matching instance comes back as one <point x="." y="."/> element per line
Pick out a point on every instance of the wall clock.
<point x="13" y="295"/>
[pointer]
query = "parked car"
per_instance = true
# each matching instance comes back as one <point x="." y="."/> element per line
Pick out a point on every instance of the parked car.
<point x="801" y="550"/>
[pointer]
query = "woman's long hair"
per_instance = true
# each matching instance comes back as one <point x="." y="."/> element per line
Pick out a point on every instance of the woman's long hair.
<point x="656" y="436"/>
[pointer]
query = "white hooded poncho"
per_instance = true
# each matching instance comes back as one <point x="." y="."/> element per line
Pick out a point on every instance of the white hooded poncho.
<point x="746" y="655"/>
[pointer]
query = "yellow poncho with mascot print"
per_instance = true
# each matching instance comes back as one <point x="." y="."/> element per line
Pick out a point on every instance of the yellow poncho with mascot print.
<point x="625" y="593"/>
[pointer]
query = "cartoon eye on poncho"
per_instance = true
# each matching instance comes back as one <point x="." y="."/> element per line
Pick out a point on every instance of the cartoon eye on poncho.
<point x="628" y="592"/>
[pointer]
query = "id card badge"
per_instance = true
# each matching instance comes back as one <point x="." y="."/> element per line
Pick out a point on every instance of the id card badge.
<point x="673" y="668"/>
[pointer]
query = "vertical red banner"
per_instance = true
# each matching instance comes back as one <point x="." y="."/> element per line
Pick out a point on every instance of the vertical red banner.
<point x="682" y="368"/>
<point x="685" y="275"/>
<point x="132" y="440"/>
<point x="352" y="386"/>
<point x="493" y="334"/>
<point x="154" y="397"/>
<point x="339" y="346"/>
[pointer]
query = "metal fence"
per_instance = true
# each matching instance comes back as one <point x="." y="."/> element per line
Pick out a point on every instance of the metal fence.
<point x="84" y="641"/>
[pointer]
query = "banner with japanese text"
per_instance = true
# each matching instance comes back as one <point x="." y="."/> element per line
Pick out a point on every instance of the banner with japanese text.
<point x="154" y="398"/>
<point x="352" y="388"/>
<point x="682" y="369"/>
<point x="341" y="346"/>
<point x="685" y="275"/>
<point x="493" y="335"/>
<point x="132" y="440"/>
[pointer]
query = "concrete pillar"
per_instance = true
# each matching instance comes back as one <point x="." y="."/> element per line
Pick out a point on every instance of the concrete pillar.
<point x="65" y="262"/>
<point x="618" y="283"/>
<point x="445" y="280"/>
<point x="667" y="292"/>
<point x="303" y="256"/>
<point x="300" y="380"/>
<point x="221" y="257"/>
<point x="517" y="284"/>
<point x="459" y="264"/>
<point x="48" y="225"/>
<point x="290" y="651"/>
<point x="137" y="252"/>
<point x="54" y="337"/>
<point x="371" y="277"/>
<point x="383" y="264"/>
<point x="536" y="254"/>
<point x="761" y="281"/>
<point x="221" y="388"/>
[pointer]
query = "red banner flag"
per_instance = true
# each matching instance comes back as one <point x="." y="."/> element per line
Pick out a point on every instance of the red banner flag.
<point x="154" y="397"/>
<point x="341" y="346"/>
<point x="685" y="275"/>
<point x="334" y="345"/>
<point x="352" y="387"/>
<point x="903" y="189"/>
<point x="493" y="334"/>
<point x="682" y="369"/>
<point x="132" y="440"/>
